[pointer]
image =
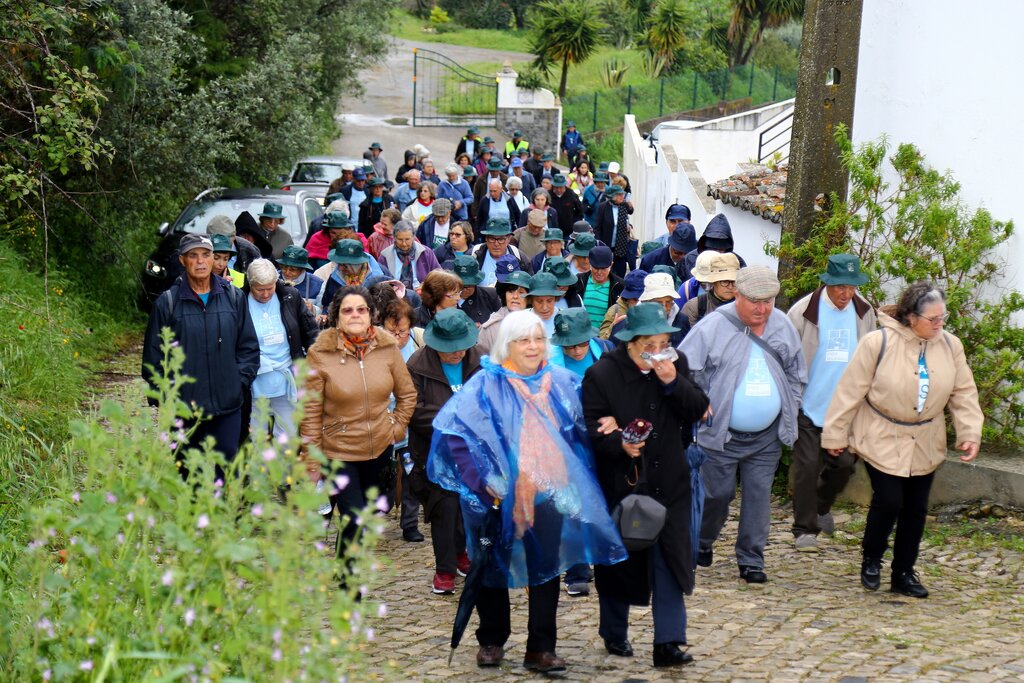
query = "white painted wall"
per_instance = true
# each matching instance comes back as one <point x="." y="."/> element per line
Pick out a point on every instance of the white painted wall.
<point x="942" y="74"/>
<point x="750" y="233"/>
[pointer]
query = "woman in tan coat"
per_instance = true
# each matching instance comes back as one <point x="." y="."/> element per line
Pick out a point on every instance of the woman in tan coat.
<point x="888" y="409"/>
<point x="354" y="368"/>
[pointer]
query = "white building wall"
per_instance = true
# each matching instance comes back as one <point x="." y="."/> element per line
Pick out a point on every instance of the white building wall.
<point x="750" y="233"/>
<point x="941" y="74"/>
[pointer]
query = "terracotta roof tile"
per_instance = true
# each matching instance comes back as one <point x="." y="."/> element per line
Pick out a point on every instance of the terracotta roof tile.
<point x="756" y="188"/>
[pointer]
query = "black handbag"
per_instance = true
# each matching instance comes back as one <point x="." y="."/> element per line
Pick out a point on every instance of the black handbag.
<point x="639" y="517"/>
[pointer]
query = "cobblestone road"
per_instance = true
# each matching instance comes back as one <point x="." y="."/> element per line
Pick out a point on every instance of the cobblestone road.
<point x="811" y="622"/>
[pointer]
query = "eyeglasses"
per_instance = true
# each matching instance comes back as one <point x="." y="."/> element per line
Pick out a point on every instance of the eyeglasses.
<point x="454" y="295"/>
<point x="397" y="332"/>
<point x="936" y="319"/>
<point x="652" y="347"/>
<point x="358" y="310"/>
<point x="729" y="284"/>
<point x="496" y="238"/>
<point x="576" y="347"/>
<point x="456" y="234"/>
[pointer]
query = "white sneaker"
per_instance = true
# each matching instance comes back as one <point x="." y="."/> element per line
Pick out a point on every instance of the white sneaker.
<point x="807" y="543"/>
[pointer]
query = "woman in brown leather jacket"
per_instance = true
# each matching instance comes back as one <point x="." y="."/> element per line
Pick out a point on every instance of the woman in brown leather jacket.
<point x="354" y="368"/>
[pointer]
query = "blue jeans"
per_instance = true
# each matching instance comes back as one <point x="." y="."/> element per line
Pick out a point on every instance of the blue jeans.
<point x="667" y="607"/>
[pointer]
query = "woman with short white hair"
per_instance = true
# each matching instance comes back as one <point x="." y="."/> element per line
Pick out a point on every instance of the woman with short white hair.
<point x="504" y="442"/>
<point x="455" y="188"/>
<point x="285" y="328"/>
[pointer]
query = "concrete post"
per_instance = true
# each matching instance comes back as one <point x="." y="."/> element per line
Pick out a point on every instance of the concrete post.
<point x="826" y="84"/>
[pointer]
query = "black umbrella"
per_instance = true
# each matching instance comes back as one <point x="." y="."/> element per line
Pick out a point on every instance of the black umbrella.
<point x="490" y="535"/>
<point x="695" y="457"/>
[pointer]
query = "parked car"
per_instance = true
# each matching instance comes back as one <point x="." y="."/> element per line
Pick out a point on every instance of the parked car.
<point x="162" y="268"/>
<point x="315" y="174"/>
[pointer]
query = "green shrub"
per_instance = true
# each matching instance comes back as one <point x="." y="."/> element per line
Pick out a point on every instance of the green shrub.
<point x="133" y="574"/>
<point x="907" y="222"/>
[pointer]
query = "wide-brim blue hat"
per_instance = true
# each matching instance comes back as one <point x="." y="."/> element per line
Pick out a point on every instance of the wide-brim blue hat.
<point x="644" y="320"/>
<point x="495" y="165"/>
<point x="450" y="330"/>
<point x="843" y="269"/>
<point x="634" y="284"/>
<point x="336" y="220"/>
<point x="222" y="244"/>
<point x="349" y="253"/>
<point x="572" y="327"/>
<point x="683" y="238"/>
<point x="497" y="227"/>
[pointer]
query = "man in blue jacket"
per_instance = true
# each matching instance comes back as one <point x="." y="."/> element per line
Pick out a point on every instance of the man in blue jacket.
<point x="210" y="320"/>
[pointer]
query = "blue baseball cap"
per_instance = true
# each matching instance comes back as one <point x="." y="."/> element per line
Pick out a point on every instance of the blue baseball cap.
<point x="678" y="212"/>
<point x="634" y="284"/>
<point x="359" y="174"/>
<point x="516" y="163"/>
<point x="505" y="266"/>
<point x="600" y="257"/>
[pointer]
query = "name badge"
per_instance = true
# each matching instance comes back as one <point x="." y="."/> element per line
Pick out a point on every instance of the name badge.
<point x="758" y="389"/>
<point x="834" y="356"/>
<point x="272" y="339"/>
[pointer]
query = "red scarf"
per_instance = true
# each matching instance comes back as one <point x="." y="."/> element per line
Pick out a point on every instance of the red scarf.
<point x="358" y="345"/>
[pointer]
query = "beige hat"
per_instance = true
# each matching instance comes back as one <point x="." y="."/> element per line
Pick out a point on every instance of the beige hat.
<point x="714" y="266"/>
<point x="657" y="285"/>
<point x="220" y="225"/>
<point x="537" y="217"/>
<point x="757" y="282"/>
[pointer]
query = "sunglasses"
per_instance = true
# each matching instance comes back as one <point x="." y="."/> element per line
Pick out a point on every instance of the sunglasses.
<point x="360" y="310"/>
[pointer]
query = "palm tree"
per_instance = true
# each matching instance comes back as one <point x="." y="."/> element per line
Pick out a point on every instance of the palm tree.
<point x="667" y="31"/>
<point x="750" y="19"/>
<point x="566" y="33"/>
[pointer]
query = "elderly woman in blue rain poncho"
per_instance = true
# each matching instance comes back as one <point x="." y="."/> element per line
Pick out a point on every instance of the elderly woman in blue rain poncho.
<point x="515" y="434"/>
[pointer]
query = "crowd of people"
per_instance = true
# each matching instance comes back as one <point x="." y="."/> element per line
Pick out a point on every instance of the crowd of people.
<point x="501" y="341"/>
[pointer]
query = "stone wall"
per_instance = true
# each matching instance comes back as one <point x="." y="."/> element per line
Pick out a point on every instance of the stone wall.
<point x="537" y="113"/>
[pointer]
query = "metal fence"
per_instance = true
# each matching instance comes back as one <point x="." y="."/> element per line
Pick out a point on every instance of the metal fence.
<point x="677" y="94"/>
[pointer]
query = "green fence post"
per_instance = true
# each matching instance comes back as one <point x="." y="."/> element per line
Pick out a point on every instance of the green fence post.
<point x="593" y="126"/>
<point x="775" y="86"/>
<point x="750" y="86"/>
<point x="661" y="98"/>
<point x="694" y="106"/>
<point x="414" y="65"/>
<point x="629" y="99"/>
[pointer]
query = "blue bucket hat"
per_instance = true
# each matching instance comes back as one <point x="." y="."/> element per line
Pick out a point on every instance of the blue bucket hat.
<point x="683" y="238"/>
<point x="634" y="284"/>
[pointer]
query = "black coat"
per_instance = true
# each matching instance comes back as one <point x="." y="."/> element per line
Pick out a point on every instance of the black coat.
<point x="569" y="209"/>
<point x="617" y="285"/>
<point x="604" y="224"/>
<point x="481" y="305"/>
<point x="370" y="211"/>
<point x="615" y="386"/>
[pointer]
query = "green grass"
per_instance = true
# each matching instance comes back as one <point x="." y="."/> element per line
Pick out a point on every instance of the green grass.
<point x="405" y="25"/>
<point x="46" y="361"/>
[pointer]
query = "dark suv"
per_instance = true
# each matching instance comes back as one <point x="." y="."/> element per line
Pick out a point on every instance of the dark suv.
<point x="162" y="268"/>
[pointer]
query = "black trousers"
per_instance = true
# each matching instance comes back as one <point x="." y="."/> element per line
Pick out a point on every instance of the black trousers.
<point x="363" y="475"/>
<point x="541" y="547"/>
<point x="901" y="502"/>
<point x="447" y="533"/>
<point x="225" y="431"/>
<point x="818" y="478"/>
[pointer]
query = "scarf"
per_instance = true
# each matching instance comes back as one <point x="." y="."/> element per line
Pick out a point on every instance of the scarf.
<point x="425" y="203"/>
<point x="358" y="345"/>
<point x="405" y="256"/>
<point x="584" y="180"/>
<point x="541" y="466"/>
<point x="358" y="278"/>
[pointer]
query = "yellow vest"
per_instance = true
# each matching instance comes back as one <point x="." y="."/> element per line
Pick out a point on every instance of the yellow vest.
<point x="511" y="149"/>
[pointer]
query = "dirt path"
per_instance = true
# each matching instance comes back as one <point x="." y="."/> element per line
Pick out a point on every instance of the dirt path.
<point x="384" y="114"/>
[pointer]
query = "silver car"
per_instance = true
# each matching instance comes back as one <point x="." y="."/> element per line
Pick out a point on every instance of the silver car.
<point x="315" y="174"/>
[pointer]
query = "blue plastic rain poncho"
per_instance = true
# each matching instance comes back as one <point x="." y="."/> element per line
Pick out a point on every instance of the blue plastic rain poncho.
<point x="525" y="439"/>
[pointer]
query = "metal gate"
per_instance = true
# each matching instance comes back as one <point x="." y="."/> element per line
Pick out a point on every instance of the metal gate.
<point x="444" y="93"/>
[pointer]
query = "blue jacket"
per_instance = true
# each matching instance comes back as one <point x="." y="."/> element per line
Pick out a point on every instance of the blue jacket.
<point x="310" y="287"/>
<point x="591" y="199"/>
<point x="222" y="353"/>
<point x="571" y="140"/>
<point x="461" y="191"/>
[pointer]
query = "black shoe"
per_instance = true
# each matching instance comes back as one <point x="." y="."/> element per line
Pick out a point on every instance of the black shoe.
<point x="412" y="535"/>
<point x="907" y="583"/>
<point x="752" y="574"/>
<point x="871" y="573"/>
<point x="623" y="649"/>
<point x="669" y="654"/>
<point x="705" y="556"/>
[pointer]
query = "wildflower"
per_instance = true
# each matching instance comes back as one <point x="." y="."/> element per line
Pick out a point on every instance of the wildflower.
<point x="111" y="498"/>
<point x="257" y="510"/>
<point x="382" y="504"/>
<point x="130" y="516"/>
<point x="368" y="633"/>
<point x="150" y="522"/>
<point x="282" y="439"/>
<point x="382" y="610"/>
<point x="341" y="481"/>
<point x="203" y="521"/>
<point x="86" y="665"/>
<point x="174" y="444"/>
<point x="276" y="655"/>
<point x="190" y="616"/>
<point x="90" y="641"/>
<point x="168" y="578"/>
<point x="218" y="483"/>
<point x="120" y="539"/>
<point x="179" y="423"/>
<point x="277" y="636"/>
<point x="76" y="497"/>
<point x="269" y="454"/>
<point x="47" y="675"/>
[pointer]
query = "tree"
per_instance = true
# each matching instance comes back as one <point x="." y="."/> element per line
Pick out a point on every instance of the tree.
<point x="667" y="32"/>
<point x="751" y="18"/>
<point x="565" y="33"/>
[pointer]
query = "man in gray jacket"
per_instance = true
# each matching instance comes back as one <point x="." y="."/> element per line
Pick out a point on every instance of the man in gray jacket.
<point x="747" y="357"/>
<point x="830" y="321"/>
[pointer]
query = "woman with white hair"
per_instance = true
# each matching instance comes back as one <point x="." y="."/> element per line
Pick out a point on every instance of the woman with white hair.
<point x="514" y="439"/>
<point x="455" y="188"/>
<point x="285" y="328"/>
<point x="408" y="260"/>
<point x="519" y="202"/>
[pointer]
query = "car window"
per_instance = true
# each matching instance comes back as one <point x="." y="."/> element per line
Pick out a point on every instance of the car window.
<point x="197" y="215"/>
<point x="316" y="173"/>
<point x="313" y="210"/>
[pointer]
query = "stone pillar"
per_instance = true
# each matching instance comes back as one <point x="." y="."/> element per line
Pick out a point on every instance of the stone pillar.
<point x="825" y="90"/>
<point x="537" y="113"/>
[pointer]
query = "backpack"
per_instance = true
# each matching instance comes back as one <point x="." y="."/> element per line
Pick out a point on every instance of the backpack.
<point x="173" y="290"/>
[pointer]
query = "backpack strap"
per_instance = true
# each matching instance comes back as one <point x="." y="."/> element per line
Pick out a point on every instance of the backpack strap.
<point x="765" y="346"/>
<point x="702" y="306"/>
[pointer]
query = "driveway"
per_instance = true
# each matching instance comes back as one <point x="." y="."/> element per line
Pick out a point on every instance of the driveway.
<point x="384" y="114"/>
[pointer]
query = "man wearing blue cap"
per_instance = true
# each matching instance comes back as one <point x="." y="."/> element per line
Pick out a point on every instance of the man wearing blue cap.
<point x="571" y="141"/>
<point x="681" y="241"/>
<point x="517" y="169"/>
<point x="600" y="287"/>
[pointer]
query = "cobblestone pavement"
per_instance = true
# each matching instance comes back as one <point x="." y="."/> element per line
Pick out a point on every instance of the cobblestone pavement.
<point x="811" y="622"/>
